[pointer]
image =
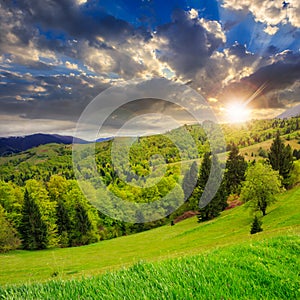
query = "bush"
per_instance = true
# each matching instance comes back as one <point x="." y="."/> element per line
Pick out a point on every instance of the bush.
<point x="256" y="225"/>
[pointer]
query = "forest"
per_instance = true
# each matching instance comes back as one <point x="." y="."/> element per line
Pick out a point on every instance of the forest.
<point x="42" y="205"/>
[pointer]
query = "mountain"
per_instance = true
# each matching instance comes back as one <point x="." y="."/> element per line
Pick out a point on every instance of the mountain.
<point x="292" y="112"/>
<point x="9" y="145"/>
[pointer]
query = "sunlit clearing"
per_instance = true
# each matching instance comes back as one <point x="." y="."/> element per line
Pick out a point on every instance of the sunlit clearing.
<point x="237" y="112"/>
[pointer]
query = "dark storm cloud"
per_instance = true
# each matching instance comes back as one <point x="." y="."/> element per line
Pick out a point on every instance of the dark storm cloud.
<point x="269" y="81"/>
<point x="64" y="15"/>
<point x="50" y="97"/>
<point x="190" y="44"/>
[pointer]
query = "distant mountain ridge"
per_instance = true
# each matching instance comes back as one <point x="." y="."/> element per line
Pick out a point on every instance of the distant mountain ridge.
<point x="15" y="144"/>
<point x="290" y="113"/>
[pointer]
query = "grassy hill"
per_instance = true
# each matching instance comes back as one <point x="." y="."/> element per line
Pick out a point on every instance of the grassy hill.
<point x="184" y="239"/>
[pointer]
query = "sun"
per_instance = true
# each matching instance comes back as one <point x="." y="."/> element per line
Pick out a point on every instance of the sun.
<point x="237" y="113"/>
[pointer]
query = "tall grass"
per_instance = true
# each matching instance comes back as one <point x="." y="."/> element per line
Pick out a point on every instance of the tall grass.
<point x="266" y="269"/>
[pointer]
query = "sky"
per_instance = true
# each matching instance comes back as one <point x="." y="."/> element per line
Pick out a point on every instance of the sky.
<point x="241" y="56"/>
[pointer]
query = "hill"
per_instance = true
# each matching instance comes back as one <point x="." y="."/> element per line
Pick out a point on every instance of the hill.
<point x="185" y="238"/>
<point x="9" y="145"/>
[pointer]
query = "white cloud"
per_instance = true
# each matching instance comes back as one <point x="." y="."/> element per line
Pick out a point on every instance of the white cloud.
<point x="271" y="30"/>
<point x="193" y="14"/>
<point x="269" y="12"/>
<point x="71" y="66"/>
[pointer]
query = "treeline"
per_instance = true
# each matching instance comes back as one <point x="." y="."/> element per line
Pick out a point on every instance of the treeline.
<point x="253" y="132"/>
<point x="42" y="206"/>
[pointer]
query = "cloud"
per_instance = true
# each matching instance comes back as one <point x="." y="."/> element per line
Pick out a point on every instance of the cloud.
<point x="188" y="43"/>
<point x="265" y="85"/>
<point x="57" y="97"/>
<point x="272" y="13"/>
<point x="71" y="66"/>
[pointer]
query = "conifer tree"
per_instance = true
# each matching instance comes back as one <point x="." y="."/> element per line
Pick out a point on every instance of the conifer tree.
<point x="218" y="201"/>
<point x="82" y="226"/>
<point x="236" y="167"/>
<point x="281" y="158"/>
<point x="256" y="225"/>
<point x="33" y="229"/>
<point x="189" y="180"/>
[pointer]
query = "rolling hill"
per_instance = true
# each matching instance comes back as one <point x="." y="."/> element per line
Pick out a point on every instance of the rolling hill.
<point x="16" y="144"/>
<point x="185" y="238"/>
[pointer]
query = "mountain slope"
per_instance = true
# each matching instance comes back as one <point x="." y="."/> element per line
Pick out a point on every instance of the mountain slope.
<point x="17" y="144"/>
<point x="185" y="238"/>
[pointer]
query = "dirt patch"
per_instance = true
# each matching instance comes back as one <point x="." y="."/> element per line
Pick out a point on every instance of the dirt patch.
<point x="233" y="201"/>
<point x="186" y="215"/>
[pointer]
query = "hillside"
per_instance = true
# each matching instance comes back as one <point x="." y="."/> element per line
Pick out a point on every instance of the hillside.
<point x="185" y="238"/>
<point x="16" y="144"/>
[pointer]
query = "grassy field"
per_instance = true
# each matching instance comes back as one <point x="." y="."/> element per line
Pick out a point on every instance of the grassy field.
<point x="266" y="269"/>
<point x="184" y="239"/>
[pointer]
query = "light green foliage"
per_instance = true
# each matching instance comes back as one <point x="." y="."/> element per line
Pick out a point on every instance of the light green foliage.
<point x="47" y="208"/>
<point x="261" y="186"/>
<point x="11" y="199"/>
<point x="185" y="238"/>
<point x="8" y="234"/>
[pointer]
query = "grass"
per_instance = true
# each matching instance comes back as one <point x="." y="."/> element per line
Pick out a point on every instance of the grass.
<point x="246" y="151"/>
<point x="267" y="269"/>
<point x="184" y="239"/>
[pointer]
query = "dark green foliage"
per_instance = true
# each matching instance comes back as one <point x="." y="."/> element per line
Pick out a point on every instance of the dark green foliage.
<point x="236" y="167"/>
<point x="263" y="153"/>
<point x="256" y="225"/>
<point x="63" y="219"/>
<point x="281" y="158"/>
<point x="217" y="202"/>
<point x="205" y="171"/>
<point x="33" y="229"/>
<point x="82" y="226"/>
<point x="296" y="154"/>
<point x="189" y="180"/>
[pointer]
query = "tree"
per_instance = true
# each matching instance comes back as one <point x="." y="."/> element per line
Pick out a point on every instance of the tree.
<point x="217" y="202"/>
<point x="33" y="229"/>
<point x="8" y="235"/>
<point x="83" y="217"/>
<point x="256" y="225"/>
<point x="235" y="171"/>
<point x="281" y="158"/>
<point x="47" y="208"/>
<point x="261" y="185"/>
<point x="189" y="180"/>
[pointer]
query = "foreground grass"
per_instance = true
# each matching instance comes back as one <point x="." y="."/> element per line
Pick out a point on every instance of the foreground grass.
<point x="267" y="269"/>
<point x="185" y="238"/>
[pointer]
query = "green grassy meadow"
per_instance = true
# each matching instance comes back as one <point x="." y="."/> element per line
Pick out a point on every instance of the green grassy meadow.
<point x="226" y="255"/>
<point x="249" y="271"/>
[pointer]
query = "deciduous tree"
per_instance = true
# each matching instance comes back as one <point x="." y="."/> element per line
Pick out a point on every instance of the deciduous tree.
<point x="261" y="185"/>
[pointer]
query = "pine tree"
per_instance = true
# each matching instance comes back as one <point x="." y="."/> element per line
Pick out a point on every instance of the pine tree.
<point x="205" y="171"/>
<point x="217" y="202"/>
<point x="189" y="180"/>
<point x="256" y="225"/>
<point x="82" y="226"/>
<point x="281" y="158"/>
<point x="236" y="167"/>
<point x="33" y="229"/>
<point x="63" y="220"/>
